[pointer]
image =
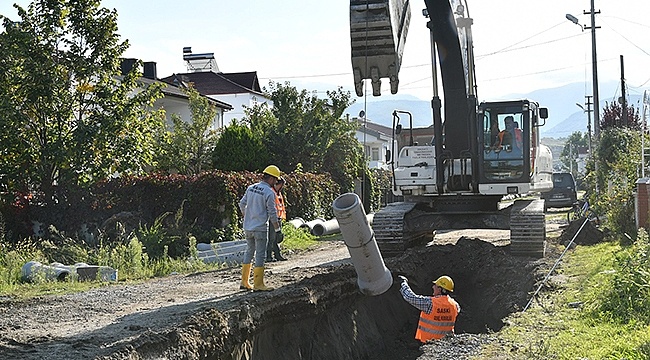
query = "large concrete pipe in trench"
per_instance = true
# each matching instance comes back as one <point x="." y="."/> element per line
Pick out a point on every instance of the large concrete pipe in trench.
<point x="373" y="276"/>
<point x="331" y="226"/>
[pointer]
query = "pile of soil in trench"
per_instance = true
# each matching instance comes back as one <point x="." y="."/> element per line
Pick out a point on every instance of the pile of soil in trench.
<point x="326" y="317"/>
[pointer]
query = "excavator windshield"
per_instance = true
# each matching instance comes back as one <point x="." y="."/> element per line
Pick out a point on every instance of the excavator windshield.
<point x="505" y="146"/>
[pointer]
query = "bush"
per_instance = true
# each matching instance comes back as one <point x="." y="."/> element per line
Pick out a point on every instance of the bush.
<point x="625" y="295"/>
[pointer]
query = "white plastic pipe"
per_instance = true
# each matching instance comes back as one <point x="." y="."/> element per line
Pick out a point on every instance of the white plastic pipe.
<point x="331" y="226"/>
<point x="373" y="276"/>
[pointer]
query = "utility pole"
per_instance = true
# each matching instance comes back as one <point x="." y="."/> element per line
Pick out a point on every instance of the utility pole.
<point x="623" y="98"/>
<point x="646" y="104"/>
<point x="594" y="64"/>
<point x="588" y="111"/>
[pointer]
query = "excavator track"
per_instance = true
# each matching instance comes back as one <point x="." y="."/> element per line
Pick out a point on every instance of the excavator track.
<point x="528" y="228"/>
<point x="403" y="225"/>
<point x="388" y="226"/>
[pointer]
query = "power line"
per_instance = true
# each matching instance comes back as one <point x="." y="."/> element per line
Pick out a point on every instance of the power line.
<point x="507" y="49"/>
<point x="528" y="38"/>
<point x="514" y="76"/>
<point x="629" y="21"/>
<point x="504" y="50"/>
<point x="626" y="39"/>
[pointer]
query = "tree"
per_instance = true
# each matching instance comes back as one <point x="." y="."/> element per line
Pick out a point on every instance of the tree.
<point x="238" y="148"/>
<point x="575" y="144"/>
<point x="302" y="129"/>
<point x="617" y="167"/>
<point x="67" y="118"/>
<point x="613" y="117"/>
<point x="617" y="175"/>
<point x="188" y="147"/>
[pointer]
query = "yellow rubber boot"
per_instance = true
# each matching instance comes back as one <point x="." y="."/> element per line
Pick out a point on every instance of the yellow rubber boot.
<point x="245" y="275"/>
<point x="258" y="280"/>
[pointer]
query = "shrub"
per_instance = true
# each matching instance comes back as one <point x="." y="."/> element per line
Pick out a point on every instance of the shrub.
<point x="625" y="295"/>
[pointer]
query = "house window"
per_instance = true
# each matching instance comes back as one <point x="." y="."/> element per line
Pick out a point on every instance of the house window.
<point x="375" y="154"/>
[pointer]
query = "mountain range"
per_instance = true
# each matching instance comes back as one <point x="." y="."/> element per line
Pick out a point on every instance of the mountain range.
<point x="565" y="116"/>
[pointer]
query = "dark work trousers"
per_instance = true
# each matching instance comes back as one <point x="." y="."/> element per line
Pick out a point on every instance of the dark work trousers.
<point x="272" y="246"/>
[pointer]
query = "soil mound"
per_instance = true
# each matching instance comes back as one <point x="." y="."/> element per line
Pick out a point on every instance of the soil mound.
<point x="589" y="235"/>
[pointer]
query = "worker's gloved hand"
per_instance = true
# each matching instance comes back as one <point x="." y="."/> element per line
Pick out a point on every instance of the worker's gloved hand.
<point x="402" y="278"/>
<point x="279" y="237"/>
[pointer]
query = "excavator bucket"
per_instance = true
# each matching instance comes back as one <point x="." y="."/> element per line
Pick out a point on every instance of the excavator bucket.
<point x="377" y="33"/>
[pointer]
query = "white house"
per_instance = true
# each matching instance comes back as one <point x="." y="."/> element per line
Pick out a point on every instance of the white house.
<point x="376" y="141"/>
<point x="175" y="101"/>
<point x="240" y="89"/>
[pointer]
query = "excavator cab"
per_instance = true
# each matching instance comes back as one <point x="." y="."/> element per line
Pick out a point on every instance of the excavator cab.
<point x="511" y="160"/>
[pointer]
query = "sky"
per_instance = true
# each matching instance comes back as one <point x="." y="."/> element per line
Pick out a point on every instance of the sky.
<point x="520" y="45"/>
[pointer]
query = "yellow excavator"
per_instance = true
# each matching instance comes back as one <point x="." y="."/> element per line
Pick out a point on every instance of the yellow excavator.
<point x="455" y="173"/>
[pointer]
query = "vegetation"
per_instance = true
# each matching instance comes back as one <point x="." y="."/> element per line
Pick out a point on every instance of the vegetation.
<point x="596" y="308"/>
<point x="321" y="139"/>
<point x="187" y="147"/>
<point x="68" y="118"/>
<point x="137" y="256"/>
<point x="616" y="174"/>
<point x="234" y="148"/>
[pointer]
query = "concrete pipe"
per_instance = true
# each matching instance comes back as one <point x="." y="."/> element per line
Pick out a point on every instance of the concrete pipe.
<point x="324" y="228"/>
<point x="297" y="222"/>
<point x="373" y="276"/>
<point x="310" y="224"/>
<point x="56" y="271"/>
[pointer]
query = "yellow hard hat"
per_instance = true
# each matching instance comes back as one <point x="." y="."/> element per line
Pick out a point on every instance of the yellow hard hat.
<point x="273" y="171"/>
<point x="445" y="282"/>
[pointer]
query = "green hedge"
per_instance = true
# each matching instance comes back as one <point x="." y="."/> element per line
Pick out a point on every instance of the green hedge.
<point x="207" y="204"/>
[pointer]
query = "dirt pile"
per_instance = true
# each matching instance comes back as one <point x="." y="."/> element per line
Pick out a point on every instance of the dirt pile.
<point x="582" y="232"/>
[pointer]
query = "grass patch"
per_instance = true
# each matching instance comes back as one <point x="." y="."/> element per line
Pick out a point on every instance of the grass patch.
<point x="298" y="239"/>
<point x="131" y="256"/>
<point x="565" y="322"/>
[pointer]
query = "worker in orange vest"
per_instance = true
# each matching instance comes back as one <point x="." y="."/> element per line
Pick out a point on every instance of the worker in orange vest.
<point x="272" y="247"/>
<point x="438" y="313"/>
<point x="510" y="133"/>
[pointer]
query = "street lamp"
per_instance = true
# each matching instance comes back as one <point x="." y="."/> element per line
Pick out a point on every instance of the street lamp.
<point x="574" y="20"/>
<point x="594" y="67"/>
<point x="594" y="64"/>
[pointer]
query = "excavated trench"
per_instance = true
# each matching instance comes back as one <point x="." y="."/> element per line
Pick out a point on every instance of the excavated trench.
<point x="326" y="317"/>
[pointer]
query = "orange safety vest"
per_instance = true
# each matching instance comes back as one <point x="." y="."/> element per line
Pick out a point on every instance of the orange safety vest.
<point x="440" y="321"/>
<point x="279" y="206"/>
<point x="519" y="138"/>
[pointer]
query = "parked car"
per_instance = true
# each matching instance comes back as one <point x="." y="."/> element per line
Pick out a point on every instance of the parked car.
<point x="564" y="192"/>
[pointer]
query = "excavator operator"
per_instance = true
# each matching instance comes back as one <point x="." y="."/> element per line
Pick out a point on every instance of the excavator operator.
<point x="505" y="137"/>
